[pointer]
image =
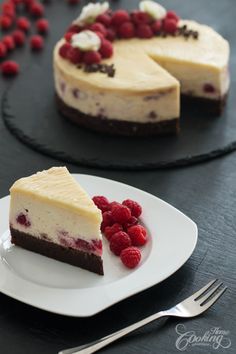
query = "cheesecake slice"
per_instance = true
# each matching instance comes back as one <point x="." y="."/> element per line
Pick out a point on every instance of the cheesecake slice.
<point x="51" y="214"/>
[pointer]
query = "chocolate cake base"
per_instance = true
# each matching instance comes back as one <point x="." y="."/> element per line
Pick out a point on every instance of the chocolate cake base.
<point x="74" y="257"/>
<point x="117" y="127"/>
<point x="201" y="104"/>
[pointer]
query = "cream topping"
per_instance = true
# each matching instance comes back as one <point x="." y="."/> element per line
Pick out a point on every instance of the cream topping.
<point x="90" y="12"/>
<point x="86" y="40"/>
<point x="154" y="9"/>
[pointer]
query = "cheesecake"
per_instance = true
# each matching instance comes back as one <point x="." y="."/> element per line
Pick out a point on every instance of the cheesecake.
<point x="128" y="73"/>
<point x="51" y="214"/>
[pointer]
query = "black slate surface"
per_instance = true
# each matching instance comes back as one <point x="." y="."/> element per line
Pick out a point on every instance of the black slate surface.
<point x="32" y="117"/>
<point x="206" y="192"/>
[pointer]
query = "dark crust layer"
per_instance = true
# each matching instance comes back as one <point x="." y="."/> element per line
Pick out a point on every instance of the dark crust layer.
<point x="74" y="257"/>
<point x="116" y="127"/>
<point x="201" y="104"/>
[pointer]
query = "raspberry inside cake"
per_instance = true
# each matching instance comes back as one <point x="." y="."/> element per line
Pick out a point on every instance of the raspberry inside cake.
<point x="51" y="214"/>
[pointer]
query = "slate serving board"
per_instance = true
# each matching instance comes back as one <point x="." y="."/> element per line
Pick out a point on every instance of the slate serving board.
<point x="30" y="113"/>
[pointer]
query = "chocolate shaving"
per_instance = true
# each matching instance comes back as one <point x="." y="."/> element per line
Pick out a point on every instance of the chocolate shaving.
<point x="109" y="70"/>
<point x="181" y="31"/>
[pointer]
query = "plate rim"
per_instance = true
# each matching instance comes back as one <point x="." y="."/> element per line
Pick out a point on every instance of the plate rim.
<point x="105" y="289"/>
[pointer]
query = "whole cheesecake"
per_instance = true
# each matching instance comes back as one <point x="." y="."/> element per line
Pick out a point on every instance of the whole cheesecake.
<point x="51" y="214"/>
<point x="136" y="88"/>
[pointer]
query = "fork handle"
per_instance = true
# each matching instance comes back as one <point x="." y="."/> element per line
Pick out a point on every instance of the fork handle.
<point x="102" y="342"/>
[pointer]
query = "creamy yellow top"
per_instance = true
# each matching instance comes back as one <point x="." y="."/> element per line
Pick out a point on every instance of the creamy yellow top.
<point x="136" y="61"/>
<point x="56" y="186"/>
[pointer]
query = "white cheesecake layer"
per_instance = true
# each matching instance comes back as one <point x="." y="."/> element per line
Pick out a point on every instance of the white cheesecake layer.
<point x="53" y="223"/>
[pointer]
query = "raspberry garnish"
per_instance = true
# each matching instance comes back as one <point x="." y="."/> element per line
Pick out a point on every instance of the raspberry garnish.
<point x="140" y="17"/>
<point x="120" y="213"/>
<point x="138" y="235"/>
<point x="107" y="220"/>
<point x="105" y="19"/>
<point x="135" y="208"/>
<point x="172" y="15"/>
<point x="111" y="230"/>
<point x="209" y="88"/>
<point x="19" y="37"/>
<point x="23" y="24"/>
<point x="101" y="202"/>
<point x="130" y="257"/>
<point x="74" y="55"/>
<point x="36" y="42"/>
<point x="131" y="222"/>
<point x="106" y="49"/>
<point x="144" y="31"/>
<point x="111" y="34"/>
<point x="63" y="51"/>
<point x="68" y="36"/>
<point x="74" y="29"/>
<point x="9" y="42"/>
<point x="156" y="27"/>
<point x="126" y="30"/>
<point x="3" y="50"/>
<point x="5" y="22"/>
<point x="23" y="220"/>
<point x="37" y="9"/>
<point x="42" y="25"/>
<point x="119" y="241"/>
<point x="98" y="27"/>
<point x="119" y="17"/>
<point x="92" y="57"/>
<point x="170" y="25"/>
<point x="10" y="68"/>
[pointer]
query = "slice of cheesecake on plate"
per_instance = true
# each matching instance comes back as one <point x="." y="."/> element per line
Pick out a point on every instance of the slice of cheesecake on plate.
<point x="51" y="214"/>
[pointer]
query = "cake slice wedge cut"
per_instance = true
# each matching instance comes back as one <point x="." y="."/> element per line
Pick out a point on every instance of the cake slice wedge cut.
<point x="51" y="214"/>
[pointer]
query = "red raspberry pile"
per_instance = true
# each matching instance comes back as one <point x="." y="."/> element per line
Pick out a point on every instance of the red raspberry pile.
<point x="122" y="228"/>
<point x="119" y="24"/>
<point x="18" y="26"/>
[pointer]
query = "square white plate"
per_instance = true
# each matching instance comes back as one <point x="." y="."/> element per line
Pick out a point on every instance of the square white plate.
<point x="63" y="289"/>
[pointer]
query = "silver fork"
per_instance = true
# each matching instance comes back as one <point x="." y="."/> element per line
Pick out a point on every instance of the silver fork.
<point x="193" y="306"/>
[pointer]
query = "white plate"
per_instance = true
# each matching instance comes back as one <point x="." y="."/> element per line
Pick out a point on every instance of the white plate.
<point x="63" y="289"/>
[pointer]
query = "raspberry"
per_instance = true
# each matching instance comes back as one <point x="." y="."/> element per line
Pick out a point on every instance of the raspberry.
<point x="23" y="24"/>
<point x="3" y="50"/>
<point x="74" y="29"/>
<point x="144" y="31"/>
<point x="42" y="25"/>
<point x="10" y="67"/>
<point x="37" y="9"/>
<point x="121" y="214"/>
<point x="172" y="15"/>
<point x="119" y="241"/>
<point x="105" y="19"/>
<point x="111" y="230"/>
<point x="98" y="27"/>
<point x="19" y="37"/>
<point x="138" y="235"/>
<point x="74" y="55"/>
<point x="135" y="208"/>
<point x="107" y="220"/>
<point x="170" y="26"/>
<point x="156" y="27"/>
<point x="106" y="49"/>
<point x="92" y="57"/>
<point x="101" y="202"/>
<point x="209" y="88"/>
<point x="22" y="219"/>
<point x="5" y="22"/>
<point x="130" y="257"/>
<point x="68" y="36"/>
<point x="8" y="10"/>
<point x="111" y="34"/>
<point x="36" y="42"/>
<point x="131" y="222"/>
<point x="119" y="17"/>
<point x="9" y="42"/>
<point x="63" y="51"/>
<point x="140" y="17"/>
<point x="112" y="204"/>
<point x="126" y="30"/>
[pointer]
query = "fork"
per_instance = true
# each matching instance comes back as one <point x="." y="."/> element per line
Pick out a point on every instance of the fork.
<point x="193" y="306"/>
